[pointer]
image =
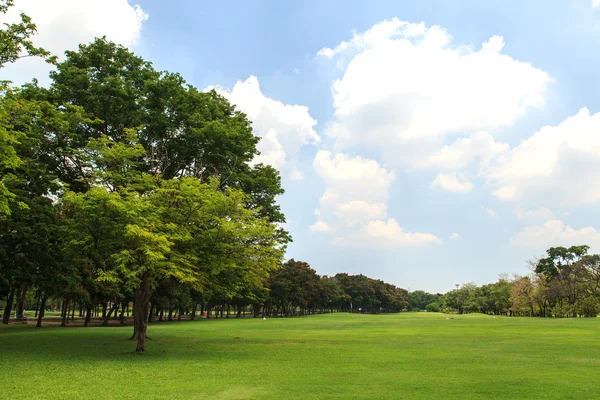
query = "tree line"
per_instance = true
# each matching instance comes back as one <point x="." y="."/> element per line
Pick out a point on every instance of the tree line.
<point x="564" y="283"/>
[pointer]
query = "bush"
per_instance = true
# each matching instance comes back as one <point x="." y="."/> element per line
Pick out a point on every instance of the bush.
<point x="432" y="307"/>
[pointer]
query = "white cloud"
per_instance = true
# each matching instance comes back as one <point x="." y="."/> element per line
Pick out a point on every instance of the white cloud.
<point x="355" y="201"/>
<point x="488" y="211"/>
<point x="357" y="211"/>
<point x="320" y="226"/>
<point x="453" y="183"/>
<point x="595" y="3"/>
<point x="463" y="151"/>
<point x="557" y="164"/>
<point x="541" y="213"/>
<point x="64" y="24"/>
<point x="352" y="179"/>
<point x="283" y="128"/>
<point x="405" y="87"/>
<point x="454" y="236"/>
<point x="386" y="234"/>
<point x="271" y="151"/>
<point x="555" y="233"/>
<point x="296" y="175"/>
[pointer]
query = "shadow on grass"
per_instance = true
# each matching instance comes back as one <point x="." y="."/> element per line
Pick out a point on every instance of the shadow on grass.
<point x="98" y="344"/>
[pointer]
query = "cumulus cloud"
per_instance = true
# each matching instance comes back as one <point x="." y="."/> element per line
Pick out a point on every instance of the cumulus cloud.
<point x="283" y="128"/>
<point x="454" y="236"/>
<point x="357" y="211"/>
<point x="541" y="213"/>
<point x="320" y="226"/>
<point x="405" y="83"/>
<point x="355" y="201"/>
<point x="453" y="183"/>
<point x="352" y="179"/>
<point x="557" y="164"/>
<point x="386" y="234"/>
<point x="555" y="233"/>
<point x="64" y="24"/>
<point x="463" y="151"/>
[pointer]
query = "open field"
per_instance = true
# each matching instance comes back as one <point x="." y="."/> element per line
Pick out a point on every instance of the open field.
<point x="338" y="356"/>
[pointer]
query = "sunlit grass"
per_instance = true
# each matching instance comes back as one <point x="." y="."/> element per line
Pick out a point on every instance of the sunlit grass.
<point x="338" y="356"/>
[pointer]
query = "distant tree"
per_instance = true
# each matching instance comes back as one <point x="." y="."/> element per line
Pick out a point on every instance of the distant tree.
<point x="419" y="299"/>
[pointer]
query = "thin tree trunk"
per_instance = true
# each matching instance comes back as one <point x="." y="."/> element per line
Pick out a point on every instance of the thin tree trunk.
<point x="122" y="316"/>
<point x="37" y="305"/>
<point x="21" y="303"/>
<point x="113" y="309"/>
<point x="8" y="306"/>
<point x="151" y="313"/>
<point x="88" y="314"/>
<point x="41" y="312"/>
<point x="65" y="312"/>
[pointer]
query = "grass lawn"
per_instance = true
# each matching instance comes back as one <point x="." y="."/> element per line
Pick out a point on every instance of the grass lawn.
<point x="339" y="356"/>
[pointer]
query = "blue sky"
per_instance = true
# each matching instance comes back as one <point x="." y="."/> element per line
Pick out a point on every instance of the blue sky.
<point x="426" y="160"/>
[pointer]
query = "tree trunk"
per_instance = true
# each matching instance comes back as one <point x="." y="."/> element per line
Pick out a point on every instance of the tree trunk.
<point x="8" y="307"/>
<point x="73" y="312"/>
<point x="113" y="309"/>
<point x="20" y="311"/>
<point x="88" y="314"/>
<point x="104" y="307"/>
<point x="170" y="318"/>
<point x="193" y="313"/>
<point x="65" y="312"/>
<point x="160" y="315"/>
<point x="140" y="312"/>
<point x="37" y="305"/>
<point x="151" y="312"/>
<point x="41" y="312"/>
<point x="122" y="316"/>
<point x="228" y="306"/>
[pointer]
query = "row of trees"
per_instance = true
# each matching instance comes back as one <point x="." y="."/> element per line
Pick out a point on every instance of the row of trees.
<point x="120" y="183"/>
<point x="565" y="283"/>
<point x="297" y="288"/>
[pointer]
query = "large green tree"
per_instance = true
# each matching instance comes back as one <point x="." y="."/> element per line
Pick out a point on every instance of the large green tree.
<point x="15" y="43"/>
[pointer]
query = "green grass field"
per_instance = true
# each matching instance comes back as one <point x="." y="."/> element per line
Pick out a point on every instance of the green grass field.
<point x="339" y="356"/>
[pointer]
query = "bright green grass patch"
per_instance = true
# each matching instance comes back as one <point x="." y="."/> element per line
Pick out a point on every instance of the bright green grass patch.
<point x="339" y="356"/>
